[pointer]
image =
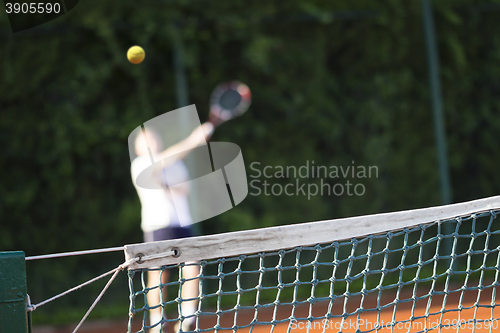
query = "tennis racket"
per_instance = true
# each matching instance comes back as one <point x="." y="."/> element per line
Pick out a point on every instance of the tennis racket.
<point x="228" y="100"/>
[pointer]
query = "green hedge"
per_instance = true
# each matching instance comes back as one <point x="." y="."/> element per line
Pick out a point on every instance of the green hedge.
<point x="333" y="82"/>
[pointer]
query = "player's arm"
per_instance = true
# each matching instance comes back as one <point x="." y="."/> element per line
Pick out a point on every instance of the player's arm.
<point x="199" y="136"/>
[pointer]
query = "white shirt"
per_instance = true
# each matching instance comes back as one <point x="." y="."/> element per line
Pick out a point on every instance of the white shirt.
<point x="158" y="210"/>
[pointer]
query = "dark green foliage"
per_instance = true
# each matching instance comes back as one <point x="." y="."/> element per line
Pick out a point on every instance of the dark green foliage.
<point x="332" y="81"/>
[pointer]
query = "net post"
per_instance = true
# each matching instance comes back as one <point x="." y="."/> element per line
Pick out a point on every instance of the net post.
<point x="13" y="293"/>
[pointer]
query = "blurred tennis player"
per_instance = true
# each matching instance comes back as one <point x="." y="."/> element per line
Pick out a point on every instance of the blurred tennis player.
<point x="160" y="220"/>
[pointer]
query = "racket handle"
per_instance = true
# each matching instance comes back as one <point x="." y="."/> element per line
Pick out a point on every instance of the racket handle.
<point x="214" y="119"/>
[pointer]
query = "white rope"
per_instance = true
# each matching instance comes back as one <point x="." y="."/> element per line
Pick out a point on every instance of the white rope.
<point x="156" y="256"/>
<point x="76" y="253"/>
<point x="115" y="272"/>
<point x="34" y="307"/>
<point x="28" y="302"/>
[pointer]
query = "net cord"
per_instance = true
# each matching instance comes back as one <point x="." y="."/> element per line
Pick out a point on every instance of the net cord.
<point x="76" y="253"/>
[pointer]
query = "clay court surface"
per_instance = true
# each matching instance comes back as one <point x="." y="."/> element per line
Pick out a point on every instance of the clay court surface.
<point x="367" y="321"/>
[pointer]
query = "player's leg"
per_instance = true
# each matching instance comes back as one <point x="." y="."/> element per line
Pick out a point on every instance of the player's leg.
<point x="190" y="291"/>
<point x="190" y="288"/>
<point x="153" y="296"/>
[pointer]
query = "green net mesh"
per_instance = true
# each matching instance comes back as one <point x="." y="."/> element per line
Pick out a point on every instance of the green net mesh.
<point x="431" y="277"/>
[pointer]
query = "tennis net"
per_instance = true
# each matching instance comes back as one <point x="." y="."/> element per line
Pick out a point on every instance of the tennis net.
<point x="432" y="269"/>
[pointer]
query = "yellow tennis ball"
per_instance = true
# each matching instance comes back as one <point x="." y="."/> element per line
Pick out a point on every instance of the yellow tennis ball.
<point x="136" y="54"/>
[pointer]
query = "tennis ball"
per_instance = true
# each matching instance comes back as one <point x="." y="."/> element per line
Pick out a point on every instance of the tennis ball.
<point x="136" y="54"/>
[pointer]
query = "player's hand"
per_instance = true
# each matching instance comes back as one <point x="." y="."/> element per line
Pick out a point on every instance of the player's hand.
<point x="208" y="130"/>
